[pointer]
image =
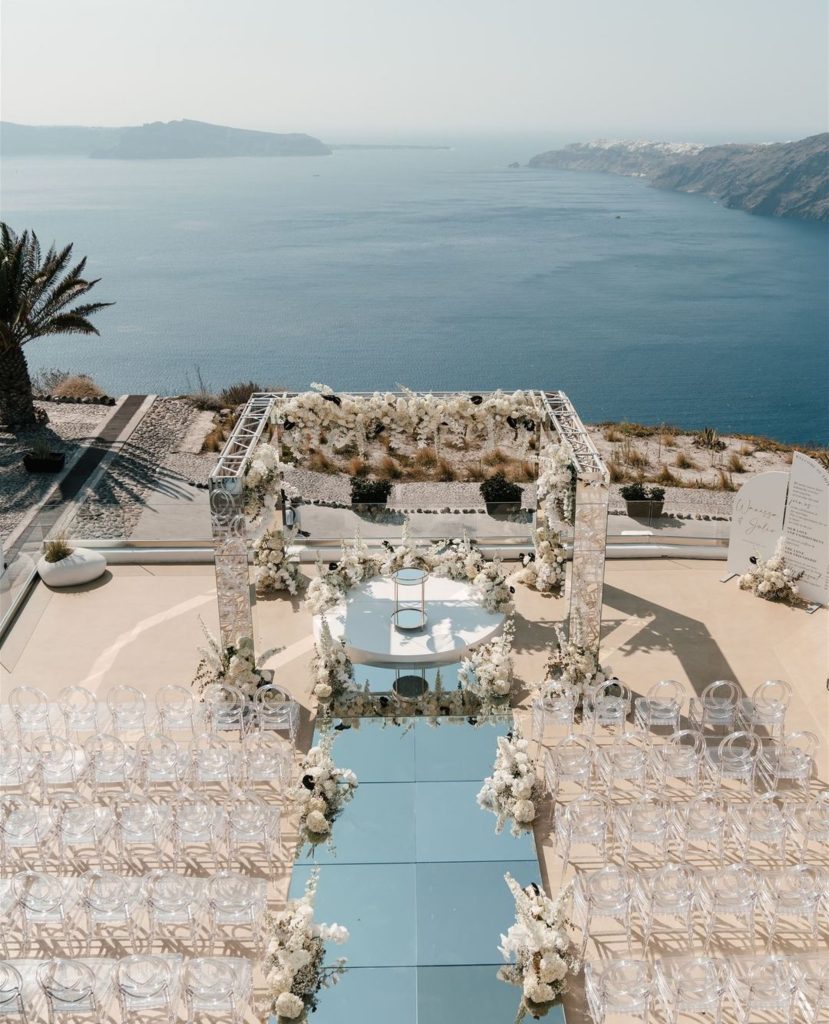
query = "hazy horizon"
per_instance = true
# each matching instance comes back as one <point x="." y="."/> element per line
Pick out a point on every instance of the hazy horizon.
<point x="747" y="70"/>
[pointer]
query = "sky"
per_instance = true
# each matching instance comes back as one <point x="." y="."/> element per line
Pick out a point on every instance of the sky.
<point x="707" y="70"/>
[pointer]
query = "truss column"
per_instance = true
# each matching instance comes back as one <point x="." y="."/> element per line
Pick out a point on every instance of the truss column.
<point x="227" y="518"/>
<point x="589" y="548"/>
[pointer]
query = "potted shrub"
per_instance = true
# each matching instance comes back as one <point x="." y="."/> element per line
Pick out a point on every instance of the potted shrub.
<point x="367" y="491"/>
<point x="64" y="566"/>
<point x="642" y="502"/>
<point x="41" y="459"/>
<point x="500" y="494"/>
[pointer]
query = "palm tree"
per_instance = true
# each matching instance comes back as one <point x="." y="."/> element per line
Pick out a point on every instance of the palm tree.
<point x="36" y="294"/>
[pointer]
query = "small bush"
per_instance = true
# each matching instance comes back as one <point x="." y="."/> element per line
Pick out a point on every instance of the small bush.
<point x="389" y="468"/>
<point x="357" y="467"/>
<point x="618" y="473"/>
<point x="683" y="461"/>
<point x="612" y="434"/>
<point x="745" y="450"/>
<point x="56" y="549"/>
<point x="639" y="492"/>
<point x="631" y="456"/>
<point x="520" y="472"/>
<point x="709" y="438"/>
<point x="238" y="394"/>
<point x="667" y="440"/>
<point x="724" y="482"/>
<point x="320" y="463"/>
<point x="444" y="470"/>
<point x="425" y="458"/>
<point x="79" y="385"/>
<point x="735" y="464"/>
<point x="495" y="458"/>
<point x="46" y="382"/>
<point x="369" y="491"/>
<point x="214" y="441"/>
<point x="497" y="488"/>
<point x="665" y="476"/>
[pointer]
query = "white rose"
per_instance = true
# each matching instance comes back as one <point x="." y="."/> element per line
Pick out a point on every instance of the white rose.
<point x="552" y="969"/>
<point x="322" y="691"/>
<point x="537" y="992"/>
<point x="290" y="1006"/>
<point x="336" y="933"/>
<point x="524" y="811"/>
<point x="317" y="823"/>
<point x="523" y="788"/>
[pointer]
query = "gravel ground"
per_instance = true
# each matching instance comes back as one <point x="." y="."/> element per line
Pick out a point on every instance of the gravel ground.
<point x="68" y="427"/>
<point x="148" y="461"/>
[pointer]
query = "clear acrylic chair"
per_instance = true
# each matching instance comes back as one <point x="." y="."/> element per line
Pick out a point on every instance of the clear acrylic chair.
<point x="251" y="823"/>
<point x="766" y="708"/>
<point x="730" y="891"/>
<point x="813" y="988"/>
<point x="140" y="826"/>
<point x="608" y="705"/>
<point x="670" y="891"/>
<point x="764" y="820"/>
<point x="69" y="988"/>
<point x="734" y="759"/>
<point x="162" y="763"/>
<point x="266" y="758"/>
<point x="235" y="901"/>
<point x="111" y="902"/>
<point x="716" y="707"/>
<point x="276" y="710"/>
<point x="622" y="987"/>
<point x="703" y="819"/>
<point x="811" y="823"/>
<point x="692" y="985"/>
<point x="794" y="891"/>
<point x="553" y="710"/>
<point x="31" y="710"/>
<point x="766" y="983"/>
<point x="646" y="820"/>
<point x="198" y="823"/>
<point x="112" y="765"/>
<point x="11" y="992"/>
<point x="79" y="707"/>
<point x="177" y="709"/>
<point x="146" y="984"/>
<point x="661" y="707"/>
<point x="173" y="901"/>
<point x="81" y="825"/>
<point x="584" y="821"/>
<point x="128" y="710"/>
<point x="25" y="829"/>
<point x="217" y="986"/>
<point x="790" y="759"/>
<point x="225" y="708"/>
<point x="212" y="762"/>
<point x="625" y="761"/>
<point x="43" y="904"/>
<point x="605" y="893"/>
<point x="59" y="763"/>
<point x="17" y="766"/>
<point x="681" y="757"/>
<point x="570" y="760"/>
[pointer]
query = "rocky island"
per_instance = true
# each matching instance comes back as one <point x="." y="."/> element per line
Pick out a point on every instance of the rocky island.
<point x="789" y="179"/>
<point x="158" y="140"/>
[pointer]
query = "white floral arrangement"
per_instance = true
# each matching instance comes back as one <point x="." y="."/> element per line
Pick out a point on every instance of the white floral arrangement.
<point x="434" y="704"/>
<point x="274" y="568"/>
<point x="772" y="579"/>
<point x="332" y="670"/>
<point x="408" y="554"/>
<point x="294" y="966"/>
<point x="260" y="475"/>
<point x="234" y="665"/>
<point x="322" y="793"/>
<point x="556" y="486"/>
<point x="512" y="792"/>
<point x="545" y="570"/>
<point x="405" y="415"/>
<point x="539" y="946"/>
<point x="486" y="671"/>
<point x="572" y="667"/>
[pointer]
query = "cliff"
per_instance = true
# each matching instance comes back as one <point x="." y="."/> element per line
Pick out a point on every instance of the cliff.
<point x="781" y="180"/>
<point x="158" y="140"/>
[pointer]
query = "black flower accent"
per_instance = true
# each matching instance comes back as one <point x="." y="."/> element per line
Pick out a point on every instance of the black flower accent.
<point x="512" y="590"/>
<point x="529" y="425"/>
<point x="378" y="429"/>
<point x="476" y="399"/>
<point x="333" y="566"/>
<point x="308" y="782"/>
<point x="753" y="559"/>
<point x="472" y="721"/>
<point x="288" y="425"/>
<point x="341" y="727"/>
<point x="333" y="398"/>
<point x="384" y="702"/>
<point x="513" y="422"/>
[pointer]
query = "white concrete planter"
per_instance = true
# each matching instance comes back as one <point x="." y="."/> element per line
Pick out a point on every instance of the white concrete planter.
<point x="81" y="566"/>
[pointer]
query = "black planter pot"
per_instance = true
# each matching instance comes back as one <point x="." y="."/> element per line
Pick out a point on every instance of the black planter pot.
<point x="644" y="509"/>
<point x="502" y="508"/>
<point x="51" y="463"/>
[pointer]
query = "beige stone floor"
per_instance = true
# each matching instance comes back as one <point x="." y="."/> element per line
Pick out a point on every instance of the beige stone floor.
<point x="662" y="619"/>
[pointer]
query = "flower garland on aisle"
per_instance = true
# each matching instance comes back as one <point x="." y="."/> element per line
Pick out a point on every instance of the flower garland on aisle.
<point x="234" y="665"/>
<point x="322" y="793"/>
<point x="434" y="704"/>
<point x="274" y="568"/>
<point x="486" y="671"/>
<point x="545" y="570"/>
<point x="540" y="948"/>
<point x="260" y="475"/>
<point x="512" y="792"/>
<point x="295" y="970"/>
<point x="556" y="486"/>
<point x="572" y="667"/>
<point x="773" y="580"/>
<point x="332" y="669"/>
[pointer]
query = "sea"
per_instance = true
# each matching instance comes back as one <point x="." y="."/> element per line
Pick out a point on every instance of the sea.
<point x="439" y="269"/>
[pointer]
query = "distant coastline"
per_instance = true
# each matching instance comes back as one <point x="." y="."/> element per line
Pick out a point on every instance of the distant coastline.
<point x="382" y="145"/>
<point x="788" y="179"/>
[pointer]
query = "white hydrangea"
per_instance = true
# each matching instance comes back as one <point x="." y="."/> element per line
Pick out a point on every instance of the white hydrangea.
<point x="512" y="791"/>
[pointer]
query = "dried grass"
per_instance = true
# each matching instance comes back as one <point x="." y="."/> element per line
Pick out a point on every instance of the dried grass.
<point x="79" y="385"/>
<point x="684" y="461"/>
<point x="735" y="464"/>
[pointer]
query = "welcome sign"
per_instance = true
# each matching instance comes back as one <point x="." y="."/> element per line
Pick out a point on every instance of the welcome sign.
<point x="757" y="517"/>
<point x="806" y="531"/>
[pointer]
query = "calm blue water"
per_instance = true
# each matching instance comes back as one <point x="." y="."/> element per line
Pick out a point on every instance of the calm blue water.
<point x="440" y="270"/>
